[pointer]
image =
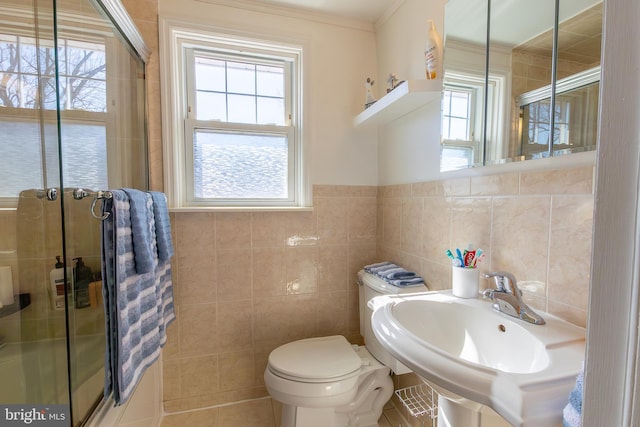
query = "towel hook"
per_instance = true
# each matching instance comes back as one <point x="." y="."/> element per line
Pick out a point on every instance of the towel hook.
<point x="80" y="193"/>
<point x="93" y="210"/>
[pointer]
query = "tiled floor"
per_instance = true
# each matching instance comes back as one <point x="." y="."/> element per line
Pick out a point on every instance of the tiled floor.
<point x="255" y="413"/>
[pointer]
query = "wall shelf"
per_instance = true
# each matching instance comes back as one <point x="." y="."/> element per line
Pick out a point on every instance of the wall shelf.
<point x="21" y="301"/>
<point x="405" y="98"/>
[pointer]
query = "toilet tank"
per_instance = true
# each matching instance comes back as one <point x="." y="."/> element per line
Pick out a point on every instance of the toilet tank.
<point x="372" y="286"/>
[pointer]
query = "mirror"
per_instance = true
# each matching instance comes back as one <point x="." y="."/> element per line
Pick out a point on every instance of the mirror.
<point x="525" y="79"/>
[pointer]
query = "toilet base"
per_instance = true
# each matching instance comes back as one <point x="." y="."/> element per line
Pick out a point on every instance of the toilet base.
<point x="373" y="393"/>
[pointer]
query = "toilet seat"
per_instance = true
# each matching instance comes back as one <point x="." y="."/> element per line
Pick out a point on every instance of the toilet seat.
<point x="322" y="359"/>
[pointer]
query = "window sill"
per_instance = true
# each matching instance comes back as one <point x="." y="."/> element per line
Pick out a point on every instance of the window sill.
<point x="242" y="209"/>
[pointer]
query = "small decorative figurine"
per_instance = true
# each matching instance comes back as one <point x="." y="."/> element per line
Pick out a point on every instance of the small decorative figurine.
<point x="369" y="98"/>
<point x="393" y="82"/>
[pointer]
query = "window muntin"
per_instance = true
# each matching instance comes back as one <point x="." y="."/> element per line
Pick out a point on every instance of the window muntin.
<point x="250" y="91"/>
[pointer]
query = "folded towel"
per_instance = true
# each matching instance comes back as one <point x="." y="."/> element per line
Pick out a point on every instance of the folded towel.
<point x="142" y="229"/>
<point x="394" y="275"/>
<point x="572" y="413"/>
<point x="138" y="306"/>
<point x="163" y="226"/>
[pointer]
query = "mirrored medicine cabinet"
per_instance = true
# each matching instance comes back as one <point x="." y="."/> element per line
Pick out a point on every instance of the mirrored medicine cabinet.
<point x="521" y="80"/>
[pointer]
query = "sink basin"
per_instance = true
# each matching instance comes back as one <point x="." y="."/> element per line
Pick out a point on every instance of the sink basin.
<point x="522" y="371"/>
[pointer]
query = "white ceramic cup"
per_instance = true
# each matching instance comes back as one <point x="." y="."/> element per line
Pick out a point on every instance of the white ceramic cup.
<point x="465" y="282"/>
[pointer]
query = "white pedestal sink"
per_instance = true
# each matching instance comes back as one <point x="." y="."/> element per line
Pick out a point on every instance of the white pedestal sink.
<point x="522" y="371"/>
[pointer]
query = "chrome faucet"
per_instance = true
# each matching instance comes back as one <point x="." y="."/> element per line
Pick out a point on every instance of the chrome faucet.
<point x="507" y="297"/>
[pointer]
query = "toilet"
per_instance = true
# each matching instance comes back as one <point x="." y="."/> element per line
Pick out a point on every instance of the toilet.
<point x="326" y="381"/>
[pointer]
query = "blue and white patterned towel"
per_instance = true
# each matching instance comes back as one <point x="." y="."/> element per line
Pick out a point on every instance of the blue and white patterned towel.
<point x="394" y="274"/>
<point x="572" y="413"/>
<point x="138" y="306"/>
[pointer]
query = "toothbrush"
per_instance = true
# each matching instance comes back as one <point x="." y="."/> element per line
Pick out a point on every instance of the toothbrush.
<point x="460" y="257"/>
<point x="450" y="255"/>
<point x="478" y="257"/>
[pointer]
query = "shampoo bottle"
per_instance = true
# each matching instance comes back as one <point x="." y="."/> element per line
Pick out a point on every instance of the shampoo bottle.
<point x="433" y="53"/>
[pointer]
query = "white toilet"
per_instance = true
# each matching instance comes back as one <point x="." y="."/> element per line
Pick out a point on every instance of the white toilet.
<point x="327" y="382"/>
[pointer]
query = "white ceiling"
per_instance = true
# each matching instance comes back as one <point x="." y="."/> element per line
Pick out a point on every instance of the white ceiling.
<point x="363" y="10"/>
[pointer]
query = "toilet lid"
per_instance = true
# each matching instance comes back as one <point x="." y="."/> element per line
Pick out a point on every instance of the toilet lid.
<point x="315" y="358"/>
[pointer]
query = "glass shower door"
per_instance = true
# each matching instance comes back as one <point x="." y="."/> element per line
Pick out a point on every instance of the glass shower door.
<point x="72" y="120"/>
<point x="33" y="353"/>
<point x="103" y="146"/>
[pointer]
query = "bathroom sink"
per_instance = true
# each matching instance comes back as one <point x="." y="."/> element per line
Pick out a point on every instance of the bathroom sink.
<point x="524" y="372"/>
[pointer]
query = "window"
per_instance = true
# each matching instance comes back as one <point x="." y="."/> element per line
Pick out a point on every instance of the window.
<point x="28" y="72"/>
<point x="235" y="123"/>
<point x="461" y="113"/>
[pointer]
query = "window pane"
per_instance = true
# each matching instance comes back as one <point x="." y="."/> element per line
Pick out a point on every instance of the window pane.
<point x="242" y="109"/>
<point x="29" y="92"/>
<point x="20" y="159"/>
<point x="458" y="129"/>
<point x="11" y="95"/>
<point x="270" y="81"/>
<point x="446" y="102"/>
<point x="460" y="104"/>
<point x="210" y="74"/>
<point x="83" y="62"/>
<point x="270" y="111"/>
<point x="456" y="157"/>
<point x="49" y="85"/>
<point x="240" y="166"/>
<point x="241" y="78"/>
<point x="88" y="95"/>
<point x="211" y="106"/>
<point x="28" y="58"/>
<point x="8" y="57"/>
<point x="85" y="151"/>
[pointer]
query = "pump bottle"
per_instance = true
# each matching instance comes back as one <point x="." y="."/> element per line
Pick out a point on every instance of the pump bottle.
<point x="433" y="53"/>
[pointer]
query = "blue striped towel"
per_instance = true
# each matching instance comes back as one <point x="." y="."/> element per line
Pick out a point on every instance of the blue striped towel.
<point x="138" y="307"/>
<point x="394" y="274"/>
<point x="572" y="413"/>
<point x="141" y="213"/>
<point x="163" y="226"/>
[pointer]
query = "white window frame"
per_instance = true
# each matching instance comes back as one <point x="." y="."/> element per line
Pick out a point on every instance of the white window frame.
<point x="475" y="85"/>
<point x="176" y="40"/>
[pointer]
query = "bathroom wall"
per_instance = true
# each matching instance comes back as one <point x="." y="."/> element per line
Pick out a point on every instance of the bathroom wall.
<point x="338" y="56"/>
<point x="408" y="148"/>
<point x="248" y="282"/>
<point x="535" y="224"/>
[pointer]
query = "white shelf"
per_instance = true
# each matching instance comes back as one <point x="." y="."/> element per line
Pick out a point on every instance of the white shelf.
<point x="405" y="98"/>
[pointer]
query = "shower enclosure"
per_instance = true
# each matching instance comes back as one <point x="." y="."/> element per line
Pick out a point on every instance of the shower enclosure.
<point x="72" y="123"/>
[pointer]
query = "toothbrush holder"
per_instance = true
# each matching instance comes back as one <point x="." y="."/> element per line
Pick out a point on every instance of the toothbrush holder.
<point x="465" y="282"/>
